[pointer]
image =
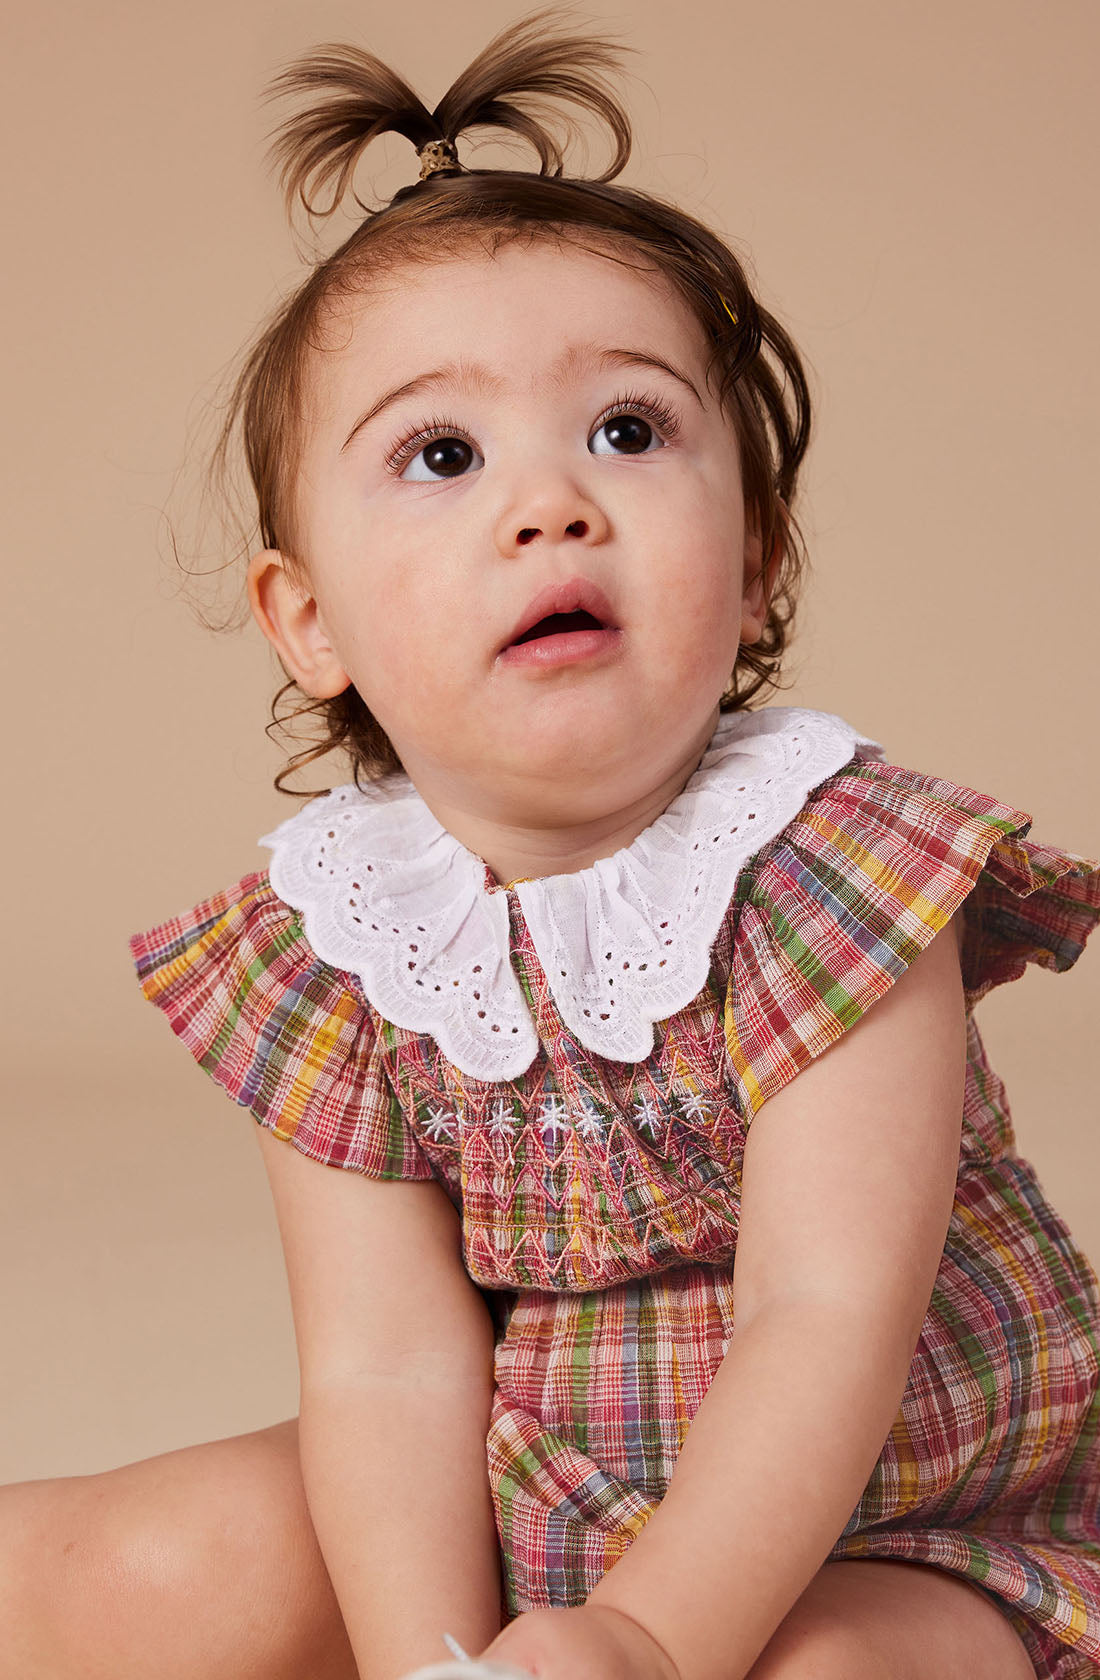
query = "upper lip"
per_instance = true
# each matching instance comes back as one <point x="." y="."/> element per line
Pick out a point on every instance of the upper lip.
<point x="577" y="594"/>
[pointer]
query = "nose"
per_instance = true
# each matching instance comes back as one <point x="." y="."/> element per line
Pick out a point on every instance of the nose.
<point x="552" y="511"/>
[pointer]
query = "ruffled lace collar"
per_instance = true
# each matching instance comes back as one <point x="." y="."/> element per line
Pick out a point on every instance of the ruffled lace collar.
<point x="387" y="894"/>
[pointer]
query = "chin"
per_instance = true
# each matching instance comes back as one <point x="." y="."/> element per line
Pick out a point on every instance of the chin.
<point x="573" y="764"/>
<point x="574" y="747"/>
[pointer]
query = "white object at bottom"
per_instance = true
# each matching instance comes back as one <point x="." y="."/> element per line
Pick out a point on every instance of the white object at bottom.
<point x="469" y="1670"/>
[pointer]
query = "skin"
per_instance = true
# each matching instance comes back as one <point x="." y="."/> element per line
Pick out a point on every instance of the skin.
<point x="409" y="589"/>
<point x="842" y="1227"/>
<point x="411" y="585"/>
<point x="408" y="586"/>
<point x="103" y="1573"/>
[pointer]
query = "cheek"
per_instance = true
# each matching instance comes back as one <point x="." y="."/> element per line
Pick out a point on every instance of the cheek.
<point x="697" y="624"/>
<point x="704" y="579"/>
<point x="397" y="635"/>
<point x="367" y="601"/>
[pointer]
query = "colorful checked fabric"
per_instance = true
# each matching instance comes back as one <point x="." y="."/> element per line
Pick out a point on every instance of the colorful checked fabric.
<point x="601" y="1199"/>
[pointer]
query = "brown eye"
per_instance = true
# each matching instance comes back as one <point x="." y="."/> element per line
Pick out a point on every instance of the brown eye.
<point x="442" y="457"/>
<point x="624" y="434"/>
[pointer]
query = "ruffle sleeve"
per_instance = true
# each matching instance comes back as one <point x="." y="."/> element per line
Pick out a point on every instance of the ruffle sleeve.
<point x="834" y="909"/>
<point x="283" y="1033"/>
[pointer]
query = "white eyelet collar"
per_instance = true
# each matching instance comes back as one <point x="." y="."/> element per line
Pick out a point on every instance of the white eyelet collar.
<point x="387" y="894"/>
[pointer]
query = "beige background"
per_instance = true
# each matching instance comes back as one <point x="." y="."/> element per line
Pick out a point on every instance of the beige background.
<point x="914" y="185"/>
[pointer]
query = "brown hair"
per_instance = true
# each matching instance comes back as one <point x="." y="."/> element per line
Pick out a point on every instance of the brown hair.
<point x="512" y="85"/>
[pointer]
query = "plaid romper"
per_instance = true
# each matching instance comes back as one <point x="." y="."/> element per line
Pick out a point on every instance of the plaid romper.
<point x="599" y="1197"/>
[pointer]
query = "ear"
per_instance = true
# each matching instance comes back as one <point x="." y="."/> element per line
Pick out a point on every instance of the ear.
<point x="760" y="575"/>
<point x="291" y="620"/>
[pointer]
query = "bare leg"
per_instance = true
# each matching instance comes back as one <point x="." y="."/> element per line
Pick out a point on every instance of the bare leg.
<point x="199" y="1564"/>
<point x="885" y="1619"/>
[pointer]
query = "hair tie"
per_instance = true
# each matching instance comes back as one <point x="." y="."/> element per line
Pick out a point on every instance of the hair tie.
<point x="436" y="156"/>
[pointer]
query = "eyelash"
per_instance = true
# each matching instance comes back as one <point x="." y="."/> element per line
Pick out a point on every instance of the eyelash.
<point x="650" y="408"/>
<point x="402" y="449"/>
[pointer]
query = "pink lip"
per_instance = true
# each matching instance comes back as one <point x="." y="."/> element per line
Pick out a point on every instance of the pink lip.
<point x="578" y="594"/>
<point x="568" y="647"/>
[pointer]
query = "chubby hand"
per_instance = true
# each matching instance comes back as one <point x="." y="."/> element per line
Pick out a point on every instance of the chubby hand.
<point x="593" y="1642"/>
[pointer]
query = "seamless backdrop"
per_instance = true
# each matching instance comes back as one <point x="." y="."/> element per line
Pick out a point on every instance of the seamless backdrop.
<point x="913" y="185"/>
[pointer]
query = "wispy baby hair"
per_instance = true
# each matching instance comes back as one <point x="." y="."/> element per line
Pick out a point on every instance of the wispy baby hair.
<point x="530" y="81"/>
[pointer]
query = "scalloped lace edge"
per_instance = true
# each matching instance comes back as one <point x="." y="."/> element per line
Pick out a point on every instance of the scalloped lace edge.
<point x="390" y="896"/>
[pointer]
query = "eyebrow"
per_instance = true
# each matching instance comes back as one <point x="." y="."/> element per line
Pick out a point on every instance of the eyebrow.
<point x="581" y="354"/>
<point x="472" y="376"/>
<point x="456" y="375"/>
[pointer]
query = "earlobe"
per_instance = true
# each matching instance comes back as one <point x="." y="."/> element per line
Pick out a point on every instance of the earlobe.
<point x="289" y="617"/>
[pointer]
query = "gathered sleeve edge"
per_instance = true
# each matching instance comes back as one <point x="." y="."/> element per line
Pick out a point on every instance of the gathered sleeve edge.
<point x="283" y="1033"/>
<point x="833" y="911"/>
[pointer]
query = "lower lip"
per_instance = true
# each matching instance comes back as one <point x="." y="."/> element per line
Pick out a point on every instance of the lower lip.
<point x="568" y="648"/>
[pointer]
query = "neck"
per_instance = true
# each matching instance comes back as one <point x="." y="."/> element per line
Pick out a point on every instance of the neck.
<point x="516" y="850"/>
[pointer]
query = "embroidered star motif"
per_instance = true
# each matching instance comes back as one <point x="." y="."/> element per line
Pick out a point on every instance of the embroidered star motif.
<point x="553" y="1115"/>
<point x="647" y="1117"/>
<point x="502" y="1123"/>
<point x="590" y="1126"/>
<point x="439" y="1126"/>
<point x="694" y="1108"/>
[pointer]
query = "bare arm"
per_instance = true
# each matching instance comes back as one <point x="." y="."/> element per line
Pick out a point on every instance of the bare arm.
<point x="848" y="1185"/>
<point x="395" y="1347"/>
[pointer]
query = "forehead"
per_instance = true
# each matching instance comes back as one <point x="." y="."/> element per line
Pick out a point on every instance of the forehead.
<point x="532" y="312"/>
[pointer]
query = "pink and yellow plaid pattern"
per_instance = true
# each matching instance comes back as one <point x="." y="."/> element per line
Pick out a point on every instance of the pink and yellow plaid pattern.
<point x="600" y="1200"/>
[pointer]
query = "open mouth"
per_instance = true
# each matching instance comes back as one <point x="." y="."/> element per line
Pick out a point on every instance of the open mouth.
<point x="559" y="624"/>
<point x="565" y="623"/>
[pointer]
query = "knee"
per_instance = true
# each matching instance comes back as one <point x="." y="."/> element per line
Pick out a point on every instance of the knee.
<point x="171" y="1545"/>
<point x="86" y="1572"/>
<point x="192" y="1564"/>
<point x="823" y="1650"/>
<point x="40" y="1548"/>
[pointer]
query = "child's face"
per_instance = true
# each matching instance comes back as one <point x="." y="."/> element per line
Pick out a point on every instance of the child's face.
<point x="426" y="557"/>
